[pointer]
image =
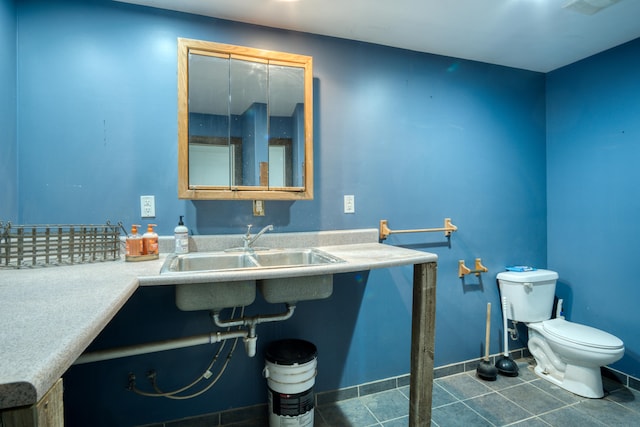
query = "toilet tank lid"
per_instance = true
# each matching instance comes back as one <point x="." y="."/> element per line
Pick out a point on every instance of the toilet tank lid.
<point x="527" y="276"/>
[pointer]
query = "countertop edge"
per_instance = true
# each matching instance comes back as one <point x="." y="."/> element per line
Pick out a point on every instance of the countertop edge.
<point x="16" y="393"/>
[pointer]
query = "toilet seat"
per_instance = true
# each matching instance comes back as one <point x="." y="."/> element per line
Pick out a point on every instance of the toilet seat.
<point x="581" y="334"/>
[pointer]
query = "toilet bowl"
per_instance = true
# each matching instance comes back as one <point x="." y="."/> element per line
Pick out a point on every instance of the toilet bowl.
<point x="570" y="354"/>
<point x="567" y="354"/>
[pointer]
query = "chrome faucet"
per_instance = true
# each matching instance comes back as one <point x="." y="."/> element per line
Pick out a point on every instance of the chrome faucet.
<point x="249" y="240"/>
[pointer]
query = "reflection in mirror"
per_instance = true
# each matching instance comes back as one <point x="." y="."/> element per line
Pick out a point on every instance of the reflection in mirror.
<point x="286" y="120"/>
<point x="245" y="123"/>
<point x="211" y="158"/>
<point x="248" y="100"/>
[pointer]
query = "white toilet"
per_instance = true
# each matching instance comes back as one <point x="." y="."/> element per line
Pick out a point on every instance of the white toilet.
<point x="567" y="354"/>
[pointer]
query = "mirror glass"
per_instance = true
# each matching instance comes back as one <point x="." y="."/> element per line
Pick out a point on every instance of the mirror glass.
<point x="286" y="120"/>
<point x="245" y="123"/>
<point x="210" y="156"/>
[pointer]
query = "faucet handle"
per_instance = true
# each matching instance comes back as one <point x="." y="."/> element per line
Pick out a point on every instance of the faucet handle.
<point x="249" y="229"/>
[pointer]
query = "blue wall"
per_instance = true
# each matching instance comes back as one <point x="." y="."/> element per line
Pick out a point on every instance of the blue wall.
<point x="415" y="137"/>
<point x="593" y="137"/>
<point x="8" y="140"/>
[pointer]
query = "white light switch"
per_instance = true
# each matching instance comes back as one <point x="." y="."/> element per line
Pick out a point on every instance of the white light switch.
<point x="349" y="204"/>
<point x="147" y="206"/>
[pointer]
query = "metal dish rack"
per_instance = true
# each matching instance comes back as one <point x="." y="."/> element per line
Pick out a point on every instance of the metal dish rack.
<point x="29" y="246"/>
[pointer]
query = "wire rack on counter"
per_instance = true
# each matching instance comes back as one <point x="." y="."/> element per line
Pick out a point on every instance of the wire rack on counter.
<point x="29" y="246"/>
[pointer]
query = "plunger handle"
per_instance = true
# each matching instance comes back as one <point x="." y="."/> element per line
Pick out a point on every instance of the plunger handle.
<point x="487" y="332"/>
<point x="505" y="305"/>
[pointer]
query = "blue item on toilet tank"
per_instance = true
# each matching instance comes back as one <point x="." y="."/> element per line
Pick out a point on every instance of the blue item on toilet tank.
<point x="520" y="268"/>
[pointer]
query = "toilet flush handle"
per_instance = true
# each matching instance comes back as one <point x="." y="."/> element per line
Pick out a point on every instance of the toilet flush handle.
<point x="528" y="287"/>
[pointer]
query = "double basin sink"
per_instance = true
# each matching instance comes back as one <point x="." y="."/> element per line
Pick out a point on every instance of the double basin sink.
<point x="218" y="295"/>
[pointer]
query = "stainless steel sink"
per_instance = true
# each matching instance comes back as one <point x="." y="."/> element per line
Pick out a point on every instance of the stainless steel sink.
<point x="294" y="258"/>
<point x="211" y="295"/>
<point x="270" y="258"/>
<point x="218" y="295"/>
<point x="207" y="261"/>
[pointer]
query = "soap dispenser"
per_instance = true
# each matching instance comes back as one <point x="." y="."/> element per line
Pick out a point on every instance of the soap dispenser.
<point x="134" y="242"/>
<point x="181" y="235"/>
<point x="150" y="241"/>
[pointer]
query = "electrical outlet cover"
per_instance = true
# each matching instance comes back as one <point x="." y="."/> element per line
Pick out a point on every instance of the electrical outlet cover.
<point x="349" y="204"/>
<point x="147" y="206"/>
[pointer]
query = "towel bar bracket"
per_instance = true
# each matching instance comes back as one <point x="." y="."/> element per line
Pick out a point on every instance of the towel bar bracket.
<point x="463" y="270"/>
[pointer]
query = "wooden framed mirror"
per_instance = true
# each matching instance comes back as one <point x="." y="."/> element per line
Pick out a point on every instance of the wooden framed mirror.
<point x="245" y="123"/>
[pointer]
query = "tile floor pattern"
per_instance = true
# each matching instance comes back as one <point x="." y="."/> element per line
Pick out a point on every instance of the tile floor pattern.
<point x="464" y="400"/>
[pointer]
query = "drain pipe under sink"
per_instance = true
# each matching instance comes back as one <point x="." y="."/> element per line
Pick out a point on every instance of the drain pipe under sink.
<point x="249" y="337"/>
<point x="252" y="321"/>
<point x="154" y="347"/>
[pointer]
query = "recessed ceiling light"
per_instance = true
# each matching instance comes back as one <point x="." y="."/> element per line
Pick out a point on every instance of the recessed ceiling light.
<point x="588" y="7"/>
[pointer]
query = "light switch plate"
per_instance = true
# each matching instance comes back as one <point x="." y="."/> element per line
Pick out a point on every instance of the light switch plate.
<point x="349" y="204"/>
<point x="147" y="206"/>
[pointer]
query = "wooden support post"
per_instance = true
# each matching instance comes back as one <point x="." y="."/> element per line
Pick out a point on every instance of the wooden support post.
<point x="264" y="174"/>
<point x="422" y="344"/>
<point x="48" y="412"/>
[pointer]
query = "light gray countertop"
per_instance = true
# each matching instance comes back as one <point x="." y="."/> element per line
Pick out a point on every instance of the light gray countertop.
<point x="50" y="315"/>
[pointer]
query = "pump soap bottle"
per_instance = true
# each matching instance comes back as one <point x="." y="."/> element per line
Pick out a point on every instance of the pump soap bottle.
<point x="181" y="235"/>
<point x="150" y="242"/>
<point x="133" y="244"/>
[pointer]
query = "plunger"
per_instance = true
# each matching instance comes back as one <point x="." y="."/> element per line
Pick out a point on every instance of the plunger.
<point x="505" y="365"/>
<point x="486" y="370"/>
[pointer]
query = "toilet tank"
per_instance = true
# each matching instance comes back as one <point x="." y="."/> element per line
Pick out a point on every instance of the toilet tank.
<point x="529" y="294"/>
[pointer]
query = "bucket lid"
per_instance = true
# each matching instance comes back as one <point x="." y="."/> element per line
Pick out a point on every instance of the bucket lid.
<point x="291" y="352"/>
<point x="527" y="276"/>
<point x="581" y="334"/>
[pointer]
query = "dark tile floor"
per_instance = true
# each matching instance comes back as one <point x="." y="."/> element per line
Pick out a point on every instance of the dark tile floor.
<point x="461" y="400"/>
<point x="464" y="400"/>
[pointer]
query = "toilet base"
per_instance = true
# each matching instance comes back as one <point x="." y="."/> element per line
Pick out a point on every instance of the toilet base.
<point x="580" y="380"/>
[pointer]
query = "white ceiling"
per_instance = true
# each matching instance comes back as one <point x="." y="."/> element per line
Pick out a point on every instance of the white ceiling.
<point x="537" y="35"/>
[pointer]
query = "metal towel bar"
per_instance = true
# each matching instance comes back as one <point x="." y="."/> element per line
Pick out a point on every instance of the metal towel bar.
<point x="385" y="231"/>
